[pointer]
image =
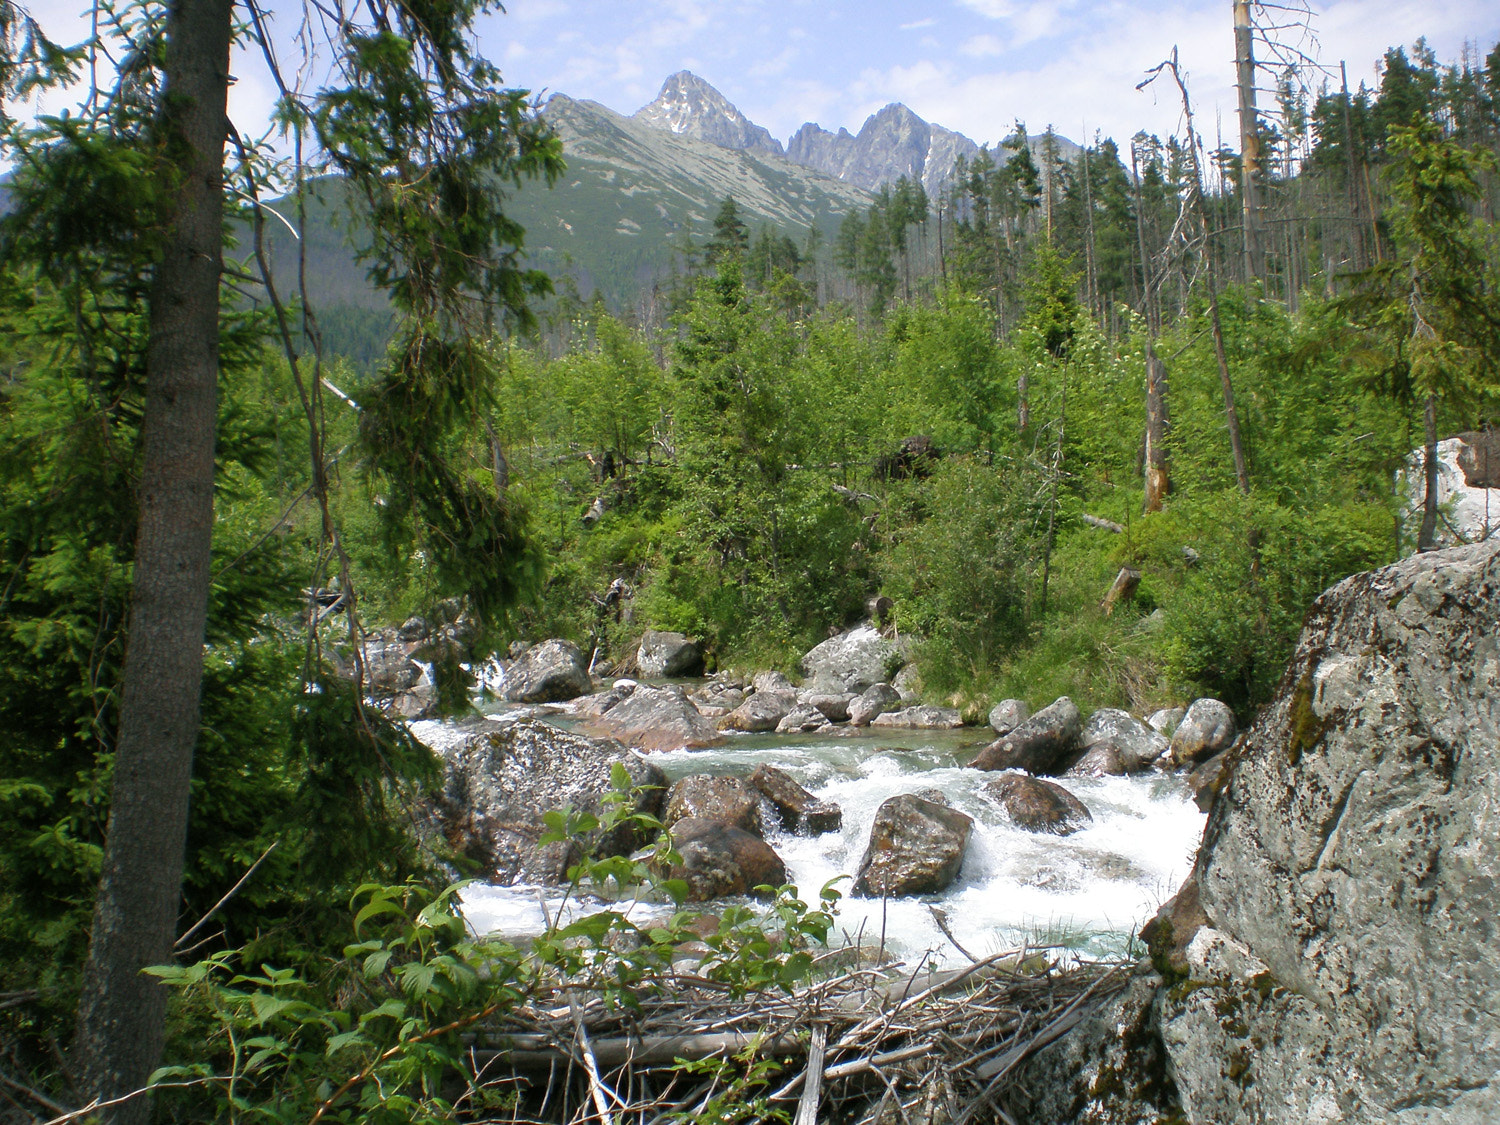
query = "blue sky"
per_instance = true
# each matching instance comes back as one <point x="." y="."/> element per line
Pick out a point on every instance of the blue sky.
<point x="971" y="65"/>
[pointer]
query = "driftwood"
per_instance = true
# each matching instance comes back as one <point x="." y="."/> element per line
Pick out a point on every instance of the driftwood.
<point x="1122" y="589"/>
<point x="1102" y="523"/>
<point x="852" y="1042"/>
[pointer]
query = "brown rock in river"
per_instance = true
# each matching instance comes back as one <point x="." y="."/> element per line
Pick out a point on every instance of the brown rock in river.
<point x="916" y="847"/>
<point x="704" y="797"/>
<point x="1037" y="805"/>
<point x="719" y="859"/>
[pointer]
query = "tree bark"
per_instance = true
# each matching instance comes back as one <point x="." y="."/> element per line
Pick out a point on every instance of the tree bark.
<point x="1427" y="535"/>
<point x="121" y="1012"/>
<point x="1250" y="156"/>
<point x="1158" y="477"/>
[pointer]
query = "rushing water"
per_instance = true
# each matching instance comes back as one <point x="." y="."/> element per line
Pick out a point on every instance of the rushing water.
<point x="1088" y="891"/>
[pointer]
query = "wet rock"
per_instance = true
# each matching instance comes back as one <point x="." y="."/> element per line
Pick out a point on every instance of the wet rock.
<point x="1103" y="760"/>
<point x="874" y="700"/>
<point x="389" y="667"/>
<point x="658" y="718"/>
<point x="705" y="797"/>
<point x="763" y="711"/>
<point x="851" y="662"/>
<point x="1008" y="714"/>
<point x="500" y="781"/>
<point x="1046" y="743"/>
<point x="921" y="717"/>
<point x="668" y="654"/>
<point x="413" y="629"/>
<point x="1136" y="744"/>
<point x="1164" y="722"/>
<point x="716" y="694"/>
<point x="1207" y="729"/>
<point x="802" y="719"/>
<point x="834" y="708"/>
<point x="1038" y="805"/>
<point x="551" y="672"/>
<point x="719" y="859"/>
<point x="798" y="810"/>
<point x="916" y="847"/>
<point x="1209" y="779"/>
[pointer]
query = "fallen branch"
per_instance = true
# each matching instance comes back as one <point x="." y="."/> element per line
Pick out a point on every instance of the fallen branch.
<point x="1102" y="524"/>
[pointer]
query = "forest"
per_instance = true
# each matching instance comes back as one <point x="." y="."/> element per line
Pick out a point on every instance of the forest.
<point x="982" y="406"/>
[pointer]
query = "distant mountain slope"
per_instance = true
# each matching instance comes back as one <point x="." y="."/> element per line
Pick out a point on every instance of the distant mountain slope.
<point x="616" y="221"/>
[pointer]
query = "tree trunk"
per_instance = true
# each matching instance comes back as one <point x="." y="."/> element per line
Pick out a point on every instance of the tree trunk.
<point x="1250" y="157"/>
<point x="1427" y="536"/>
<point x="121" y="1012"/>
<point x="1158" y="477"/>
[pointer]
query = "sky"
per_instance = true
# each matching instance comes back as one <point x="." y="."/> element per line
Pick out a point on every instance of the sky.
<point x="976" y="66"/>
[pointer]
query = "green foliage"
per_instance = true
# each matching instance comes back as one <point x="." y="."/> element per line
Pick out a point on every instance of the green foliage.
<point x="379" y="1033"/>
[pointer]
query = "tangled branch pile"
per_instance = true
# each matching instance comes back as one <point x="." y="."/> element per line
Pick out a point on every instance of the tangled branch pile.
<point x="868" y="1045"/>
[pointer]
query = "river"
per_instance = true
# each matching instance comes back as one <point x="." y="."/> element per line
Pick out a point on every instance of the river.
<point x="1086" y="893"/>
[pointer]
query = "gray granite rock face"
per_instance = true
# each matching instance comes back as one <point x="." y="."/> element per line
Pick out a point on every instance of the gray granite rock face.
<point x="851" y="662"/>
<point x="1008" y="714"/>
<point x="654" y="718"/>
<point x="871" y="703"/>
<point x="668" y="654"/>
<point x="551" y="672"/>
<point x="1046" y="743"/>
<point x="1350" y="872"/>
<point x="500" y="781"/>
<point x="1136" y="743"/>
<point x="1207" y="729"/>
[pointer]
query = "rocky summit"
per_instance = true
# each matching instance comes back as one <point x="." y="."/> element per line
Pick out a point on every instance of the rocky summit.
<point x="689" y="106"/>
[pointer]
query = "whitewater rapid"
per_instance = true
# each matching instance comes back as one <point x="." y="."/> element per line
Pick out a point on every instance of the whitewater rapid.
<point x="1085" y="894"/>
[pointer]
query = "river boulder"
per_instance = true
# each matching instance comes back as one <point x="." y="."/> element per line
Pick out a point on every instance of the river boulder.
<point x="763" y="711"/>
<point x="875" y="700"/>
<point x="1207" y="729"/>
<point x="706" y="797"/>
<point x="1114" y="735"/>
<point x="1046" y="743"/>
<point x="920" y="717"/>
<point x="1346" y="969"/>
<point x="668" y="654"/>
<point x="658" y="718"/>
<point x="502" y="778"/>
<point x="851" y="661"/>
<point x="916" y="847"/>
<point x="1038" y="805"/>
<point x="1008" y="714"/>
<point x="1164" y="721"/>
<point x="551" y="672"/>
<point x="802" y="719"/>
<point x="833" y="706"/>
<point x="798" y="810"/>
<point x="719" y="859"/>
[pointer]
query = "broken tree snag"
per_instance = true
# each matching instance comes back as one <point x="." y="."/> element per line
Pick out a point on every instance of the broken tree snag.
<point x="1102" y="524"/>
<point x="1158" y="480"/>
<point x="1121" y="590"/>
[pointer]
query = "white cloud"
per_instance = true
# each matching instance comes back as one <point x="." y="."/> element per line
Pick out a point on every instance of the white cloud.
<point x="917" y="25"/>
<point x="982" y="46"/>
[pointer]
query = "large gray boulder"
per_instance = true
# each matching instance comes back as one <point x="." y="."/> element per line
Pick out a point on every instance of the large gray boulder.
<point x="851" y="661"/>
<point x="916" y="848"/>
<point x="874" y="701"/>
<point x="763" y="711"/>
<point x="657" y="718"/>
<point x="501" y="780"/>
<point x="1112" y="738"/>
<point x="668" y="654"/>
<point x="923" y="716"/>
<point x="719" y="859"/>
<point x="1046" y="743"/>
<point x="1207" y="729"/>
<point x="1349" y="967"/>
<point x="551" y="672"/>
<point x="1008" y="714"/>
<point x="705" y="797"/>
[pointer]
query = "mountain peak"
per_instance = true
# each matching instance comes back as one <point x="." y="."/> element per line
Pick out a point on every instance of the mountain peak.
<point x="689" y="105"/>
